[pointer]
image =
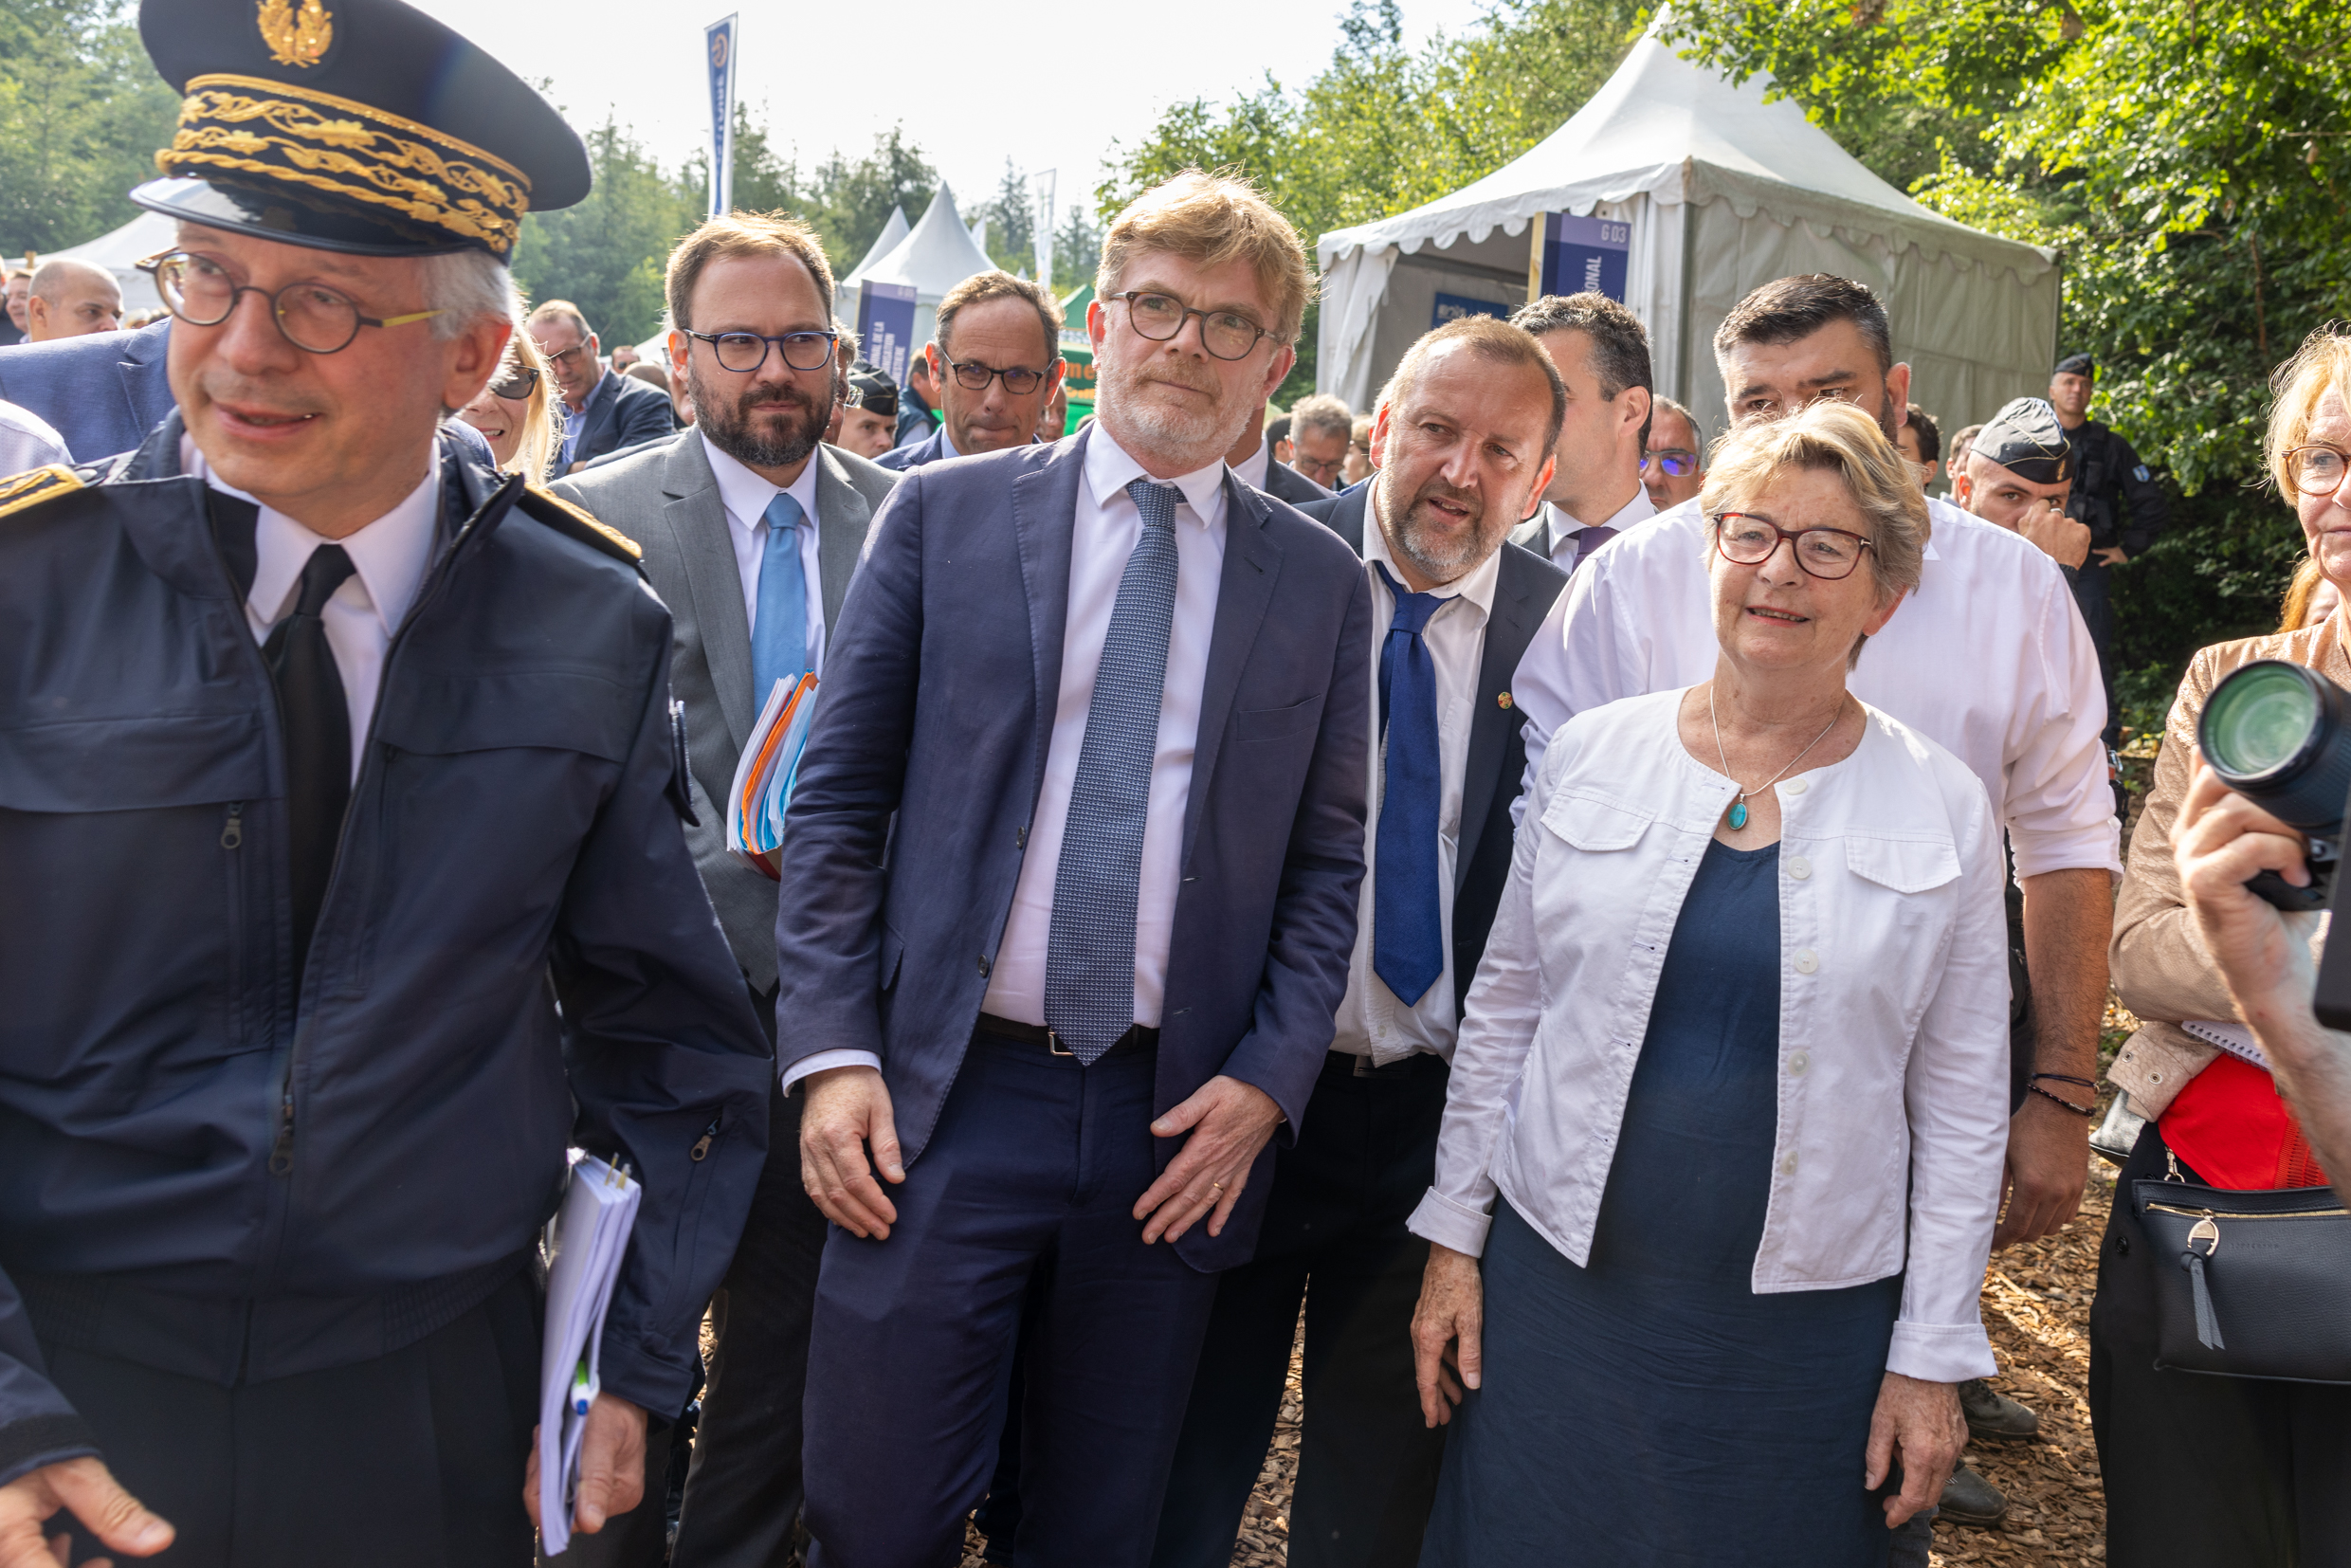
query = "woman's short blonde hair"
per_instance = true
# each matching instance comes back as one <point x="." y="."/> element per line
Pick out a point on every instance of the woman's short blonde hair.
<point x="1212" y="219"/>
<point x="1831" y="436"/>
<point x="2323" y="364"/>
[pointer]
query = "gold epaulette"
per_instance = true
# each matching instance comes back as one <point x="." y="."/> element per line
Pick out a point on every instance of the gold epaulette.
<point x="564" y="518"/>
<point x="35" y="485"/>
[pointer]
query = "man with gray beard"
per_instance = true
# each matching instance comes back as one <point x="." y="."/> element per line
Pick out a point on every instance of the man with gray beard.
<point x="750" y="531"/>
<point x="1463" y="443"/>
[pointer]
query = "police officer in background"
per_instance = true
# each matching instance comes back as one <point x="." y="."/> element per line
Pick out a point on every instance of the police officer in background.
<point x="331" y="761"/>
<point x="2105" y="471"/>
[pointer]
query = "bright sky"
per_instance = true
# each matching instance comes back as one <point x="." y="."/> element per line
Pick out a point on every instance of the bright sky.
<point x="1050" y="86"/>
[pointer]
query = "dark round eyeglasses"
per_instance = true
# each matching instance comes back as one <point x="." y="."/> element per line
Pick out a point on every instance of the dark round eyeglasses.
<point x="517" y="386"/>
<point x="201" y="291"/>
<point x="1829" y="554"/>
<point x="2315" y="471"/>
<point x="745" y="351"/>
<point x="1019" y="381"/>
<point x="1225" y="334"/>
<point x="1673" y="460"/>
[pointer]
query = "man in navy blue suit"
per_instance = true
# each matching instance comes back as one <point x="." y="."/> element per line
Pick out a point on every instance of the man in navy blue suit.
<point x="103" y="391"/>
<point x="1094" y="974"/>
<point x="996" y="363"/>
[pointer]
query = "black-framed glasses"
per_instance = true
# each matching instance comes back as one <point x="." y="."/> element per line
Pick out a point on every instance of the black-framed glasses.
<point x="1677" y="463"/>
<point x="1829" y="554"/>
<point x="745" y="351"/>
<point x="2316" y="470"/>
<point x="201" y="291"/>
<point x="1019" y="381"/>
<point x="516" y="386"/>
<point x="1225" y="334"/>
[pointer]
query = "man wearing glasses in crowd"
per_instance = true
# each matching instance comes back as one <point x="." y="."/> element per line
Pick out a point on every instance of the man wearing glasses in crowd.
<point x="603" y="410"/>
<point x="1673" y="467"/>
<point x="996" y="361"/>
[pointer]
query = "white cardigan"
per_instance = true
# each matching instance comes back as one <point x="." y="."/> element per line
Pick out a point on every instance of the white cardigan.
<point x="1893" y="1013"/>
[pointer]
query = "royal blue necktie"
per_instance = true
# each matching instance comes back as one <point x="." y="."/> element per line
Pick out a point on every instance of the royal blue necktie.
<point x="779" y="638"/>
<point x="1408" y="934"/>
<point x="1089" y="949"/>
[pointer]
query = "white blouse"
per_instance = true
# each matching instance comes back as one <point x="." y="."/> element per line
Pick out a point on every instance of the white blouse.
<point x="1894" y="1014"/>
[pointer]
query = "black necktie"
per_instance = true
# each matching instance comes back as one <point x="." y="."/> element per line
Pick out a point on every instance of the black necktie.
<point x="318" y="739"/>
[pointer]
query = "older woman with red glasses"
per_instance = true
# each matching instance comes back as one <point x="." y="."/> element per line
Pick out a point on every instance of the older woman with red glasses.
<point x="1722" y="1143"/>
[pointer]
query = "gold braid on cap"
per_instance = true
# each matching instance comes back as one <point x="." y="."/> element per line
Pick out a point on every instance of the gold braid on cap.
<point x="318" y="143"/>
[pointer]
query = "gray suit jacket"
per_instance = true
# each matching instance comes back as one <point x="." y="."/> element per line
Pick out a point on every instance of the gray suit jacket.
<point x="666" y="499"/>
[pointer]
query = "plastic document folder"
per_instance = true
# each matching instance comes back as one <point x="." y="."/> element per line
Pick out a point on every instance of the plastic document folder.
<point x="585" y="1245"/>
<point x="763" y="779"/>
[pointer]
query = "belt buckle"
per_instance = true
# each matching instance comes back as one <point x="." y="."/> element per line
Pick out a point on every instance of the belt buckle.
<point x="1364" y="1068"/>
<point x="1052" y="1043"/>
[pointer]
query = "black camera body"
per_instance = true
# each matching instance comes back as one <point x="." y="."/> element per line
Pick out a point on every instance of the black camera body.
<point x="2279" y="734"/>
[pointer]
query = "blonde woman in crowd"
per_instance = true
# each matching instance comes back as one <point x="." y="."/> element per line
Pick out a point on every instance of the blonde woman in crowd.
<point x="518" y="413"/>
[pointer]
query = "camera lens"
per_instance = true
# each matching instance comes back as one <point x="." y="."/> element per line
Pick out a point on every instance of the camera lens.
<point x="2275" y="733"/>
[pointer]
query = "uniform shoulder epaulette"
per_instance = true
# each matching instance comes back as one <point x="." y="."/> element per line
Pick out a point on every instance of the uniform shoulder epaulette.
<point x="564" y="518"/>
<point x="30" y="488"/>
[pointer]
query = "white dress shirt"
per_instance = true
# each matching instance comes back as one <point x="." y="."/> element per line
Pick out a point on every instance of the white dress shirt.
<point x="746" y="498"/>
<point x="1374" y="1021"/>
<point x="1567" y="532"/>
<point x="1988" y="658"/>
<point x="1252" y="469"/>
<point x="1103" y="533"/>
<point x="1892" y="1114"/>
<point x="390" y="556"/>
<point x="28" y="440"/>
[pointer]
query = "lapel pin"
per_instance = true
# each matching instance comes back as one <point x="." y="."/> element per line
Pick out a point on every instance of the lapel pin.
<point x="1502" y="700"/>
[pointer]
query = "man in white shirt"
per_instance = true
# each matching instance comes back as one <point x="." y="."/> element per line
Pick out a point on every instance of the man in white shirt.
<point x="1104" y="708"/>
<point x="1989" y="658"/>
<point x="27" y="441"/>
<point x="1462" y="440"/>
<point x="1595" y="492"/>
<point x="752" y="530"/>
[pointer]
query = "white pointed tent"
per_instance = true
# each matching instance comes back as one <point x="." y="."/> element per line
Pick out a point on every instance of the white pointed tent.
<point x="1721" y="191"/>
<point x="883" y="243"/>
<point x="937" y="254"/>
<point x="117" y="250"/>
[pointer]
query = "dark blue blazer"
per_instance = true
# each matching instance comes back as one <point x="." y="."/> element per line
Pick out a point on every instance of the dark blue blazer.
<point x="623" y="412"/>
<point x="939" y="691"/>
<point x="104" y="392"/>
<point x="915" y="454"/>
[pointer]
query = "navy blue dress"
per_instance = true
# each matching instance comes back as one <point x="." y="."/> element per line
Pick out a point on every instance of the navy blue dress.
<point x="1652" y="1409"/>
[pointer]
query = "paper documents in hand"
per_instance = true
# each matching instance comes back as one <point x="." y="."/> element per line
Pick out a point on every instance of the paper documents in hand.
<point x="585" y="1245"/>
<point x="763" y="780"/>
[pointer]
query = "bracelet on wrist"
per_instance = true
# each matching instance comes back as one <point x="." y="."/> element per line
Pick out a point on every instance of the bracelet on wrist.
<point x="2056" y="1099"/>
<point x="2064" y="1078"/>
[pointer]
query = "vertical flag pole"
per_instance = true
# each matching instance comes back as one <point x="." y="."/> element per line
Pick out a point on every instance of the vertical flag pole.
<point x="719" y="42"/>
<point x="1044" y="184"/>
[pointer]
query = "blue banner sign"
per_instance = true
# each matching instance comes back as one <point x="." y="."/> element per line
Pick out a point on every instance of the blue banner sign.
<point x="886" y="328"/>
<point x="1452" y="308"/>
<point x="719" y="44"/>
<point x="1585" y="255"/>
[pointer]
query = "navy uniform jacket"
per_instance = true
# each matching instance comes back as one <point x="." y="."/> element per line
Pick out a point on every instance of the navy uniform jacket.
<point x="2106" y="469"/>
<point x="202" y="1171"/>
<point x="940" y="689"/>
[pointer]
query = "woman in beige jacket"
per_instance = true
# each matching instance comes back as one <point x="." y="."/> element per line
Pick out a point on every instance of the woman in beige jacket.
<point x="2203" y="1471"/>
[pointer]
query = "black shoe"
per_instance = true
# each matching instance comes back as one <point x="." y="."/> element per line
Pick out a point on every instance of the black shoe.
<point x="1993" y="1415"/>
<point x="1969" y="1499"/>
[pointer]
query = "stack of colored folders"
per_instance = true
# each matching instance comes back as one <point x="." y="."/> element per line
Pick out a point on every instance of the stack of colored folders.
<point x="763" y="780"/>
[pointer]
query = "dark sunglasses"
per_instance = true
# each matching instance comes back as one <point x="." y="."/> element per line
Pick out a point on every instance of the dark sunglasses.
<point x="516" y="386"/>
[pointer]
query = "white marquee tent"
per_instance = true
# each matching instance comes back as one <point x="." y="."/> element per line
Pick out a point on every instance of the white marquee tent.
<point x="883" y="243"/>
<point x="1721" y="191"/>
<point x="117" y="249"/>
<point x="937" y="254"/>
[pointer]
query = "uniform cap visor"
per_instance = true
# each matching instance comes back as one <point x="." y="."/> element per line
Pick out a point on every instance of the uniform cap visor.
<point x="276" y="214"/>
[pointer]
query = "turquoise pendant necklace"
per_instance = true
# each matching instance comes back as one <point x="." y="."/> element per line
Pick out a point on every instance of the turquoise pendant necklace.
<point x="1737" y="816"/>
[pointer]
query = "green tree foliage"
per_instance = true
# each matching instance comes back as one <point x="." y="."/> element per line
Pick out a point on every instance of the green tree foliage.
<point x="1011" y="216"/>
<point x="82" y="114"/>
<point x="2188" y="157"/>
<point x="1384" y="128"/>
<point x="1077" y="249"/>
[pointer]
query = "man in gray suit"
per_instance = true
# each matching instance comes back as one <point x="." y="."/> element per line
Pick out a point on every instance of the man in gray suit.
<point x="752" y="300"/>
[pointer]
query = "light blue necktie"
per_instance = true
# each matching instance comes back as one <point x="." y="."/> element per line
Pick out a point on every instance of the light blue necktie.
<point x="1089" y="949"/>
<point x="779" y="638"/>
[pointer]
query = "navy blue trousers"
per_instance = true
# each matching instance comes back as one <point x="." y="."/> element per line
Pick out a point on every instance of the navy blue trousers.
<point x="1035" y="1159"/>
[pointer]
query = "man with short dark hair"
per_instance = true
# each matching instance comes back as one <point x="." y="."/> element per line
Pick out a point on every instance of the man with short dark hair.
<point x="1463" y="436"/>
<point x="603" y="410"/>
<point x="1672" y="463"/>
<point x="1988" y="658"/>
<point x="1251" y="458"/>
<point x="1921" y="444"/>
<point x="1320" y="427"/>
<point x="918" y="402"/>
<point x="2106" y="471"/>
<point x="1278" y="439"/>
<point x="995" y="360"/>
<point x="71" y="298"/>
<point x="12" y="322"/>
<point x="1595" y="491"/>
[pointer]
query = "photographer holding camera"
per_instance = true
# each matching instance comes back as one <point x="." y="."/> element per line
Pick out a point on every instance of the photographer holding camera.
<point x="2247" y="1098"/>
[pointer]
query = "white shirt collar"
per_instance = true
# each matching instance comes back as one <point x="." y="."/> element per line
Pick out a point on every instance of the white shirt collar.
<point x="1254" y="468"/>
<point x="1477" y="585"/>
<point x="1639" y="509"/>
<point x="746" y="495"/>
<point x="390" y="555"/>
<point x="1109" y="470"/>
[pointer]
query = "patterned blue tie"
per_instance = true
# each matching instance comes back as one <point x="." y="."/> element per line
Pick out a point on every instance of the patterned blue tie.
<point x="1407" y="936"/>
<point x="779" y="638"/>
<point x="1089" y="949"/>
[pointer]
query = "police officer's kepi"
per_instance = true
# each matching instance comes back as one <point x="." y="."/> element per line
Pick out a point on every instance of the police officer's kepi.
<point x="362" y="126"/>
<point x="2026" y="439"/>
<point x="871" y="388"/>
<point x="2077" y="364"/>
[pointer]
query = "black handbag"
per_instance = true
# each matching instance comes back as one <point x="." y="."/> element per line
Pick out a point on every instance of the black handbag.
<point x="2248" y="1284"/>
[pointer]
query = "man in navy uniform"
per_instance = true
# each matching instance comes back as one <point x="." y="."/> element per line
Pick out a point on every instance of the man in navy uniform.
<point x="332" y="761"/>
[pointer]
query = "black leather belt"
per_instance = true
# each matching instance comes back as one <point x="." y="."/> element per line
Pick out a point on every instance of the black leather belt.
<point x="1345" y="1065"/>
<point x="1135" y="1040"/>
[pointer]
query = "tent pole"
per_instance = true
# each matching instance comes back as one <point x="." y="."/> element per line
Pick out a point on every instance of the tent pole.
<point x="1535" y="229"/>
